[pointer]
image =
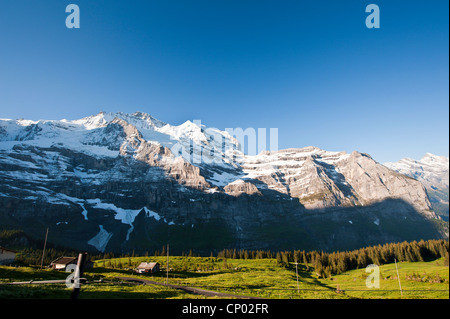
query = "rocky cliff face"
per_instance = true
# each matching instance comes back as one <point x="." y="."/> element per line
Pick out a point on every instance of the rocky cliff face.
<point x="321" y="179"/>
<point x="433" y="172"/>
<point x="119" y="182"/>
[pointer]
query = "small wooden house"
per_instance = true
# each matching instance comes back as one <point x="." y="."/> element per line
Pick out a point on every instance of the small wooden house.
<point x="62" y="262"/>
<point x="147" y="268"/>
<point x="7" y="256"/>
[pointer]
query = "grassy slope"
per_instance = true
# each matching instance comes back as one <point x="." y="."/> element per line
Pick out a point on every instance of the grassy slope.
<point x="262" y="278"/>
<point x="417" y="281"/>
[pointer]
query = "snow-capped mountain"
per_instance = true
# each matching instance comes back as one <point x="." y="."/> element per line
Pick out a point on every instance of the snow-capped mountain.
<point x="433" y="172"/>
<point x="117" y="181"/>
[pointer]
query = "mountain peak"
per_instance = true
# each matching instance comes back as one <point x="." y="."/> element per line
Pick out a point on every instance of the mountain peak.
<point x="432" y="171"/>
<point x="430" y="158"/>
<point x="138" y="119"/>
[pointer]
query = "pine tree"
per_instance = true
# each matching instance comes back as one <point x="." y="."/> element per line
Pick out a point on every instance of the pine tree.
<point x="279" y="259"/>
<point x="327" y="272"/>
<point x="285" y="258"/>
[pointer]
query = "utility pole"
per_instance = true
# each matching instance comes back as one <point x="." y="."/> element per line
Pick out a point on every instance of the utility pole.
<point x="398" y="276"/>
<point x="296" y="272"/>
<point x="43" y="252"/>
<point x="167" y="267"/>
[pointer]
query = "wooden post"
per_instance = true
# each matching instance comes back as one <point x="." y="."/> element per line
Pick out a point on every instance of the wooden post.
<point x="398" y="276"/>
<point x="167" y="270"/>
<point x="296" y="271"/>
<point x="78" y="275"/>
<point x="43" y="252"/>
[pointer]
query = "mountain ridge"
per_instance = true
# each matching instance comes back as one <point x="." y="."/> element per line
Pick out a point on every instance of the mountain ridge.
<point x="116" y="181"/>
<point x="433" y="172"/>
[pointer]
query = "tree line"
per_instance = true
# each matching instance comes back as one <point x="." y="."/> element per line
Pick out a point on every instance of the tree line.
<point x="328" y="264"/>
<point x="325" y="264"/>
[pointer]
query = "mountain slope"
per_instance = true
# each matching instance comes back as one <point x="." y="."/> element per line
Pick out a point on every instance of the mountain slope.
<point x="116" y="181"/>
<point x="433" y="172"/>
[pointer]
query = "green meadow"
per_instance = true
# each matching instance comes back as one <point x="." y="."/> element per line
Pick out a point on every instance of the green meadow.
<point x="264" y="278"/>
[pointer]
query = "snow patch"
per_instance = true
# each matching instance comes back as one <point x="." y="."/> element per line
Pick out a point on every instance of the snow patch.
<point x="150" y="213"/>
<point x="126" y="216"/>
<point x="76" y="201"/>
<point x="223" y="179"/>
<point x="84" y="212"/>
<point x="100" y="240"/>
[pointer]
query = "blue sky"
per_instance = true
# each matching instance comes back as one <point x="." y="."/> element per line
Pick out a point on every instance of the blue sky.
<point x="309" y="68"/>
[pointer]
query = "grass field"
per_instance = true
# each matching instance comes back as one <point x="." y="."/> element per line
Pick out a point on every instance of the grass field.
<point x="418" y="280"/>
<point x="252" y="277"/>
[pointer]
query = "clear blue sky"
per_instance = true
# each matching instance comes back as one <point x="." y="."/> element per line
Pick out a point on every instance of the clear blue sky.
<point x="310" y="68"/>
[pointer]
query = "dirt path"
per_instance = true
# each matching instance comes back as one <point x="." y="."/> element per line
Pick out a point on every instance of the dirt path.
<point x="192" y="290"/>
